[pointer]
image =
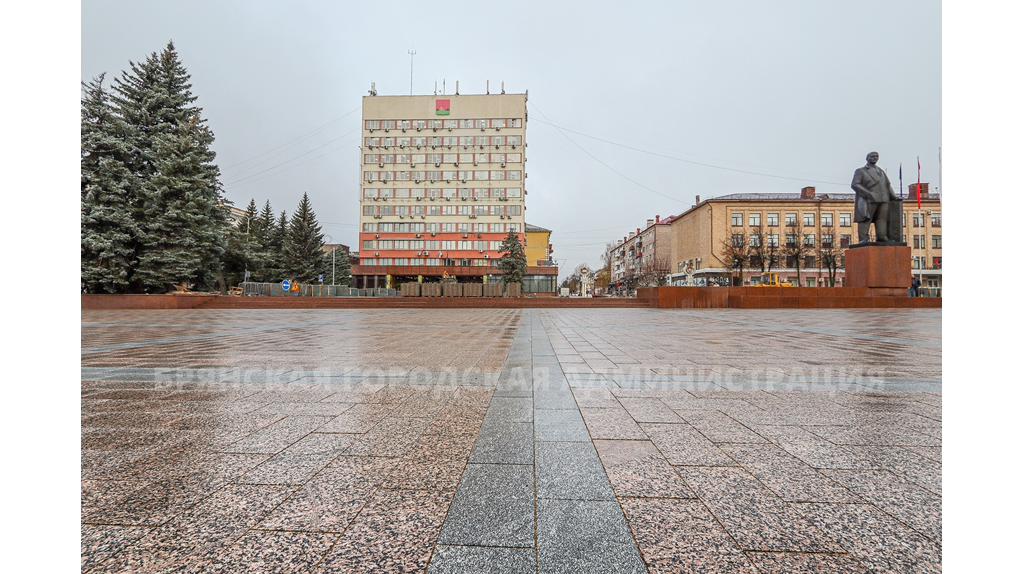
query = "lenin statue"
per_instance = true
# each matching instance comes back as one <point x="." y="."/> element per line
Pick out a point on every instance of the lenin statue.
<point x="873" y="195"/>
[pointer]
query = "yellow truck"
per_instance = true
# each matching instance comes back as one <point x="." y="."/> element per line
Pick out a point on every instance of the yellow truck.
<point x="772" y="280"/>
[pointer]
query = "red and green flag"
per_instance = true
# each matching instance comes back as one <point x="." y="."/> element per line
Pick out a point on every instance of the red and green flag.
<point x="444" y="107"/>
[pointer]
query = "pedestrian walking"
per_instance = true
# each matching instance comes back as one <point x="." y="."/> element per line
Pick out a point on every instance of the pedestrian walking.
<point x="915" y="286"/>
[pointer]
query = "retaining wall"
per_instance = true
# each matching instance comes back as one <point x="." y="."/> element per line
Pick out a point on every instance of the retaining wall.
<point x="780" y="298"/>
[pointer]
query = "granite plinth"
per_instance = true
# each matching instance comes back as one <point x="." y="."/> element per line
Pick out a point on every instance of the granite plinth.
<point x="878" y="266"/>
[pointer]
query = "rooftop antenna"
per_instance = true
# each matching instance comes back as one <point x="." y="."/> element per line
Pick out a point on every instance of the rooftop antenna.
<point x="503" y="86"/>
<point x="435" y="87"/>
<point x="488" y="87"/>
<point x="412" y="56"/>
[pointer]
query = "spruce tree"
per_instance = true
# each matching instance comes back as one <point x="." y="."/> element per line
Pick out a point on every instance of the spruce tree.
<point x="513" y="260"/>
<point x="109" y="196"/>
<point x="260" y="234"/>
<point x="186" y="223"/>
<point x="341" y="267"/>
<point x="181" y="216"/>
<point x="304" y="255"/>
<point x="276" y="240"/>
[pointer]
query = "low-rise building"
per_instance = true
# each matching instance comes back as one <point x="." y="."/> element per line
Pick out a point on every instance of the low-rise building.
<point x="821" y="226"/>
<point x="642" y="257"/>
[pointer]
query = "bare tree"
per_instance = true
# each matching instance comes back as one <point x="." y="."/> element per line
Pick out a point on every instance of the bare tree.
<point x="830" y="256"/>
<point x="653" y="272"/>
<point x="759" y="249"/>
<point x="795" y="249"/>
<point x="736" y="254"/>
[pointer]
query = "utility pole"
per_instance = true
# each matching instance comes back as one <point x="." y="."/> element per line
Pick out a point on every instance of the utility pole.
<point x="412" y="57"/>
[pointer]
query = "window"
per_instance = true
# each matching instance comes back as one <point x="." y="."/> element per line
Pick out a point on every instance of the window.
<point x="790" y="240"/>
<point x="844" y="220"/>
<point x="844" y="240"/>
<point x="773" y="240"/>
<point x="936" y="220"/>
<point x="367" y="244"/>
<point x="919" y="242"/>
<point x="791" y="219"/>
<point x="936" y="263"/>
<point x="755" y="240"/>
<point x="737" y="219"/>
<point x="809" y="220"/>
<point x="754" y="219"/>
<point x="936" y="242"/>
<point x="773" y="220"/>
<point x="917" y="262"/>
<point x="809" y="263"/>
<point x="918" y="220"/>
<point x="826" y="241"/>
<point x="809" y="240"/>
<point x="811" y="281"/>
<point x="737" y="239"/>
<point x="826" y="220"/>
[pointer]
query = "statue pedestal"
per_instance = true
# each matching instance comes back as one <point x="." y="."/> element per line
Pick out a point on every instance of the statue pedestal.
<point x="885" y="269"/>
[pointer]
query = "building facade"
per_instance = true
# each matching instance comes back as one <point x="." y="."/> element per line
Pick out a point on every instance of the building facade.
<point x="442" y="182"/>
<point x="642" y="256"/>
<point x="821" y="224"/>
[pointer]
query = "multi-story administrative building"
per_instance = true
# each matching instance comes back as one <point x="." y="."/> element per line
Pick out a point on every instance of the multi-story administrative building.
<point x="641" y="256"/>
<point x="442" y="181"/>
<point x="821" y="223"/>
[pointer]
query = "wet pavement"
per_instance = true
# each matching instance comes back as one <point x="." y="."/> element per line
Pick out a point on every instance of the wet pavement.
<point x="491" y="440"/>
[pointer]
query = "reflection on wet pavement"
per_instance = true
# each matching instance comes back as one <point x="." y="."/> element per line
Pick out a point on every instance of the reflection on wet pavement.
<point x="342" y="440"/>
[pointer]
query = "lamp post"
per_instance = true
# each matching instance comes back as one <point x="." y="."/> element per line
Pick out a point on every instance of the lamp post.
<point x="332" y="257"/>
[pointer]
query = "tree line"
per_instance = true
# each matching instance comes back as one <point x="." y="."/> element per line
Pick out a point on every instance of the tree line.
<point x="153" y="211"/>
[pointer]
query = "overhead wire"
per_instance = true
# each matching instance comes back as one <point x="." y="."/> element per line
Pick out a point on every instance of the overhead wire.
<point x="289" y="143"/>
<point x="686" y="160"/>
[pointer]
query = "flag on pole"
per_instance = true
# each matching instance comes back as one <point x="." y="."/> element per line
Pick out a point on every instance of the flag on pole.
<point x="919" y="182"/>
<point x="901" y="179"/>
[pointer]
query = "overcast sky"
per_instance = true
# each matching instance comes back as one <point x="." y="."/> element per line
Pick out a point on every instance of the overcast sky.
<point x="634" y="108"/>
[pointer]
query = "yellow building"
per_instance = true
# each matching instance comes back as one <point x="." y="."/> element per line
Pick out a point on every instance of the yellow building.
<point x="822" y="223"/>
<point x="538" y="246"/>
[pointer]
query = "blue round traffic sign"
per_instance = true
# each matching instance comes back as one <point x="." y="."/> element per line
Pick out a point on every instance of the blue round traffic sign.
<point x="286" y="285"/>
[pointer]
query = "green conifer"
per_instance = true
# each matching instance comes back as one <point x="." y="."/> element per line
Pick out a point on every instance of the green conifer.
<point x="513" y="260"/>
<point x="304" y="257"/>
<point x="109" y="196"/>
<point x="181" y="213"/>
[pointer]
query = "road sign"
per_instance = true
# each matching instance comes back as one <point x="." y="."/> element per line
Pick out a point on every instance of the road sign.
<point x="286" y="285"/>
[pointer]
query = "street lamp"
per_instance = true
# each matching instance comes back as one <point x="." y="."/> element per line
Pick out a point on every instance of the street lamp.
<point x="332" y="257"/>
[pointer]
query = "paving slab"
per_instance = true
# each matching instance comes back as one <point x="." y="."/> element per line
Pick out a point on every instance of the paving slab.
<point x="511" y="440"/>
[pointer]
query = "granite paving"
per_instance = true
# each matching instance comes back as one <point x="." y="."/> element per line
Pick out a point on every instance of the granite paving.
<point x="507" y="440"/>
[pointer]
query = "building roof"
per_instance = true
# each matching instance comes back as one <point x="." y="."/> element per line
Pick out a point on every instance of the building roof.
<point x="780" y="197"/>
<point x="530" y="227"/>
<point x="796" y="197"/>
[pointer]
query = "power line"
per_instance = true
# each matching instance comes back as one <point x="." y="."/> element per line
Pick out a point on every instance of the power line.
<point x="294" y="141"/>
<point x="242" y="181"/>
<point x="610" y="168"/>
<point x="681" y="159"/>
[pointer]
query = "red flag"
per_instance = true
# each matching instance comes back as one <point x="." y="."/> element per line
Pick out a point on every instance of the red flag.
<point x="919" y="183"/>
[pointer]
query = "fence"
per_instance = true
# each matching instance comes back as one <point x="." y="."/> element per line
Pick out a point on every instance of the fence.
<point x="251" y="289"/>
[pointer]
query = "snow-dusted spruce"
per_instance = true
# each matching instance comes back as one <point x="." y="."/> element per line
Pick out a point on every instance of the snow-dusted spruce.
<point x="110" y="196"/>
<point x="178" y="219"/>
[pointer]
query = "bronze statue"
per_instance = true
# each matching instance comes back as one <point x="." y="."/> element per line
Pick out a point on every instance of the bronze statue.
<point x="874" y="193"/>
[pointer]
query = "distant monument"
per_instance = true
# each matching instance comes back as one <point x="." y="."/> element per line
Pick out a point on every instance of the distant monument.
<point x="876" y="203"/>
